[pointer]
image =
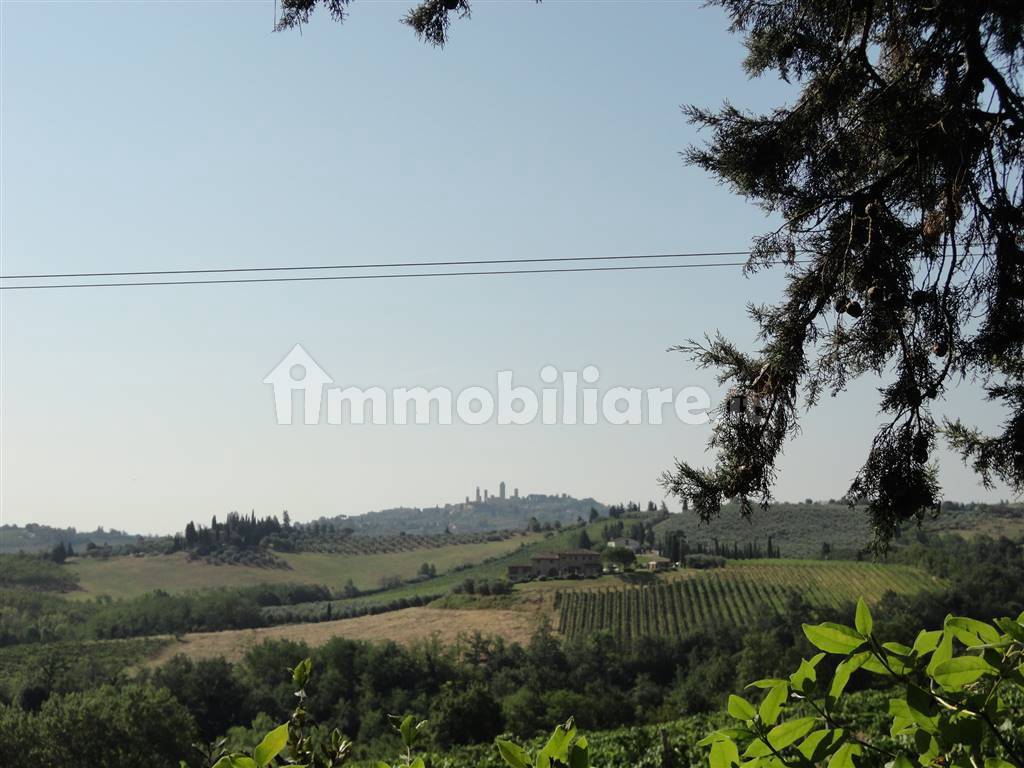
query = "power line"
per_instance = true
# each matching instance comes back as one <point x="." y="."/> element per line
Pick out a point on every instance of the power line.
<point x="392" y="265"/>
<point x="384" y="276"/>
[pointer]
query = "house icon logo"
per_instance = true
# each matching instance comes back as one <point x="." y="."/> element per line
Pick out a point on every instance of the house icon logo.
<point x="298" y="371"/>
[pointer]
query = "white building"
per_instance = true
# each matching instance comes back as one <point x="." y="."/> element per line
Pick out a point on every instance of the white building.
<point x="630" y="544"/>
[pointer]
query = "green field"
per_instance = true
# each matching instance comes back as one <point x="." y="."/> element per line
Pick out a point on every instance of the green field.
<point x="736" y="595"/>
<point x="131" y="576"/>
<point x="491" y="570"/>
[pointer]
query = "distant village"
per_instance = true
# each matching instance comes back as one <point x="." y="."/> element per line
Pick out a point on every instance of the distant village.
<point x="486" y="497"/>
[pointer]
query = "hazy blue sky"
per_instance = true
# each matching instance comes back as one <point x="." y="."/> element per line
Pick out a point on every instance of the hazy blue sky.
<point x="148" y="135"/>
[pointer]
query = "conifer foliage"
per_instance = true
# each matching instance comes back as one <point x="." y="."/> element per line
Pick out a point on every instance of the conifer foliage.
<point x="897" y="175"/>
<point x="430" y="19"/>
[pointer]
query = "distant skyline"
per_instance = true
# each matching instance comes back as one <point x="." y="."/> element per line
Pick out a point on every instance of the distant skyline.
<point x="165" y="135"/>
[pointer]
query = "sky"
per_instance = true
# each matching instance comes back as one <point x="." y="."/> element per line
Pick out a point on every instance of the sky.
<point x="181" y="135"/>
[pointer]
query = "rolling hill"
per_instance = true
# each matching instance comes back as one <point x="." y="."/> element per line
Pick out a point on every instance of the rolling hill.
<point x="41" y="538"/>
<point x="800" y="530"/>
<point x="129" y="576"/>
<point x="492" y="514"/>
<point x="664" y="605"/>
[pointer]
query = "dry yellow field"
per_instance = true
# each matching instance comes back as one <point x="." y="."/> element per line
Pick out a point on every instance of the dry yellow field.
<point x="405" y="626"/>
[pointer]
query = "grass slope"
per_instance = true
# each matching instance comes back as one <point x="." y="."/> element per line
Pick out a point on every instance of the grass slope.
<point x="131" y="576"/>
<point x="799" y="530"/>
<point x="737" y="594"/>
<point x="492" y="570"/>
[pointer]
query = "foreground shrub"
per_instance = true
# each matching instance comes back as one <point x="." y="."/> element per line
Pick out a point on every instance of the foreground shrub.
<point x="107" y="727"/>
<point x="958" y="700"/>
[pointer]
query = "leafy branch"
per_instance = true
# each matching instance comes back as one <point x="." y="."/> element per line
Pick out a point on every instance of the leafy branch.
<point x="952" y="709"/>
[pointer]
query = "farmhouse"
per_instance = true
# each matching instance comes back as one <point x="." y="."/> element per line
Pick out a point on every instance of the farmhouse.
<point x="573" y="562"/>
<point x="658" y="563"/>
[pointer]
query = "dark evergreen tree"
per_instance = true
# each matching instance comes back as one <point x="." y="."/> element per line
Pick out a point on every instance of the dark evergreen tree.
<point x="59" y="553"/>
<point x="897" y="174"/>
<point x="584" y="541"/>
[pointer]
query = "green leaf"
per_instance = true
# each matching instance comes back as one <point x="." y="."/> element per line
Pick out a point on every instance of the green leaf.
<point x="833" y="638"/>
<point x="922" y="708"/>
<point x="725" y="733"/>
<point x="995" y="762"/>
<point x="961" y="729"/>
<point x="943" y="653"/>
<point x="864" y="622"/>
<point x="818" y="744"/>
<point x="768" y="682"/>
<point x="784" y="734"/>
<point x="902" y="726"/>
<point x="724" y="754"/>
<point x="557" y="747"/>
<point x="927" y="641"/>
<point x="843" y="758"/>
<point x="740" y="708"/>
<point x="1012" y="628"/>
<point x="901" y="761"/>
<point x="271" y="745"/>
<point x="899" y="708"/>
<point x="301" y="672"/>
<point x="927" y="746"/>
<point x="513" y="754"/>
<point x="804" y="678"/>
<point x="844" y="669"/>
<point x="898" y="648"/>
<point x="960" y="671"/>
<point x="771" y="706"/>
<point x="872" y="664"/>
<point x="972" y="632"/>
<point x="810" y="745"/>
<point x="578" y="755"/>
<point x="235" y="761"/>
<point x="407" y="728"/>
<point x="757" y="748"/>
